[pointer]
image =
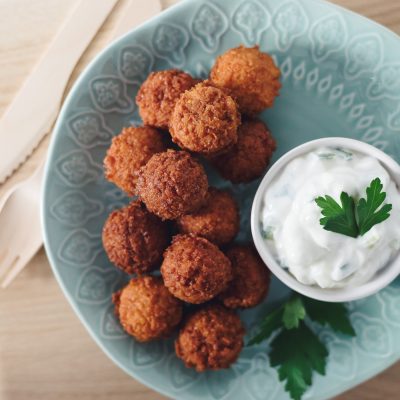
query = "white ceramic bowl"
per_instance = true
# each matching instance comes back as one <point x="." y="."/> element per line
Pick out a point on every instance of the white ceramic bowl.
<point x="379" y="281"/>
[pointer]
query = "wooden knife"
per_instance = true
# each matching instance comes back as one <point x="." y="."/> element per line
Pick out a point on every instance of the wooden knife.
<point x="35" y="107"/>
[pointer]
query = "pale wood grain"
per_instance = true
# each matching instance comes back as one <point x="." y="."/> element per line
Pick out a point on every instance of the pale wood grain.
<point x="45" y="353"/>
<point x="34" y="52"/>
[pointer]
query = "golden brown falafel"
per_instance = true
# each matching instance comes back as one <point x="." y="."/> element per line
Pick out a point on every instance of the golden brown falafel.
<point x="129" y="151"/>
<point x="194" y="269"/>
<point x="217" y="220"/>
<point x="134" y="239"/>
<point x="205" y="120"/>
<point x="248" y="159"/>
<point x="146" y="309"/>
<point x="250" y="75"/>
<point x="211" y="338"/>
<point x="158" y="94"/>
<point x="251" y="278"/>
<point x="172" y="184"/>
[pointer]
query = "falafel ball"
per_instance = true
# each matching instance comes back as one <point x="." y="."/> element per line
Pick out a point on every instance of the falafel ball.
<point x="194" y="269"/>
<point x="217" y="221"/>
<point x="250" y="75"/>
<point x="158" y="94"/>
<point x="211" y="338"/>
<point x="172" y="184"/>
<point x="135" y="239"/>
<point x="249" y="158"/>
<point x="146" y="309"/>
<point x="251" y="278"/>
<point x="129" y="151"/>
<point x="205" y="120"/>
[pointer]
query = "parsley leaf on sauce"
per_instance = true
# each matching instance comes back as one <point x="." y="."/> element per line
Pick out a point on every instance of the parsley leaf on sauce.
<point x="367" y="209"/>
<point x="353" y="219"/>
<point x="338" y="218"/>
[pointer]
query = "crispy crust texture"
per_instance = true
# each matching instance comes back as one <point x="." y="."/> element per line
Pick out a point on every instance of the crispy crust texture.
<point x="205" y="120"/>
<point x="217" y="221"/>
<point x="134" y="239"/>
<point x="251" y="278"/>
<point x="210" y="339"/>
<point x="249" y="158"/>
<point x="250" y="75"/>
<point x="195" y="270"/>
<point x="129" y="151"/>
<point x="159" y="93"/>
<point x="172" y="184"/>
<point x="146" y="309"/>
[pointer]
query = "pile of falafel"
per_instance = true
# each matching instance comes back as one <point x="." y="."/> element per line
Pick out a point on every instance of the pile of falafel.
<point x="177" y="222"/>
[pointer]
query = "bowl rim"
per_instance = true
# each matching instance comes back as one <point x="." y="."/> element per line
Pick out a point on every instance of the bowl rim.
<point x="379" y="281"/>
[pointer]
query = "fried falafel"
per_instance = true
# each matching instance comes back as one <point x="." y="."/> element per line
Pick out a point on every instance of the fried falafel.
<point x="217" y="221"/>
<point x="194" y="269"/>
<point x="159" y="93"/>
<point x="205" y="120"/>
<point x="146" y="309"/>
<point x="134" y="239"/>
<point x="251" y="278"/>
<point x="210" y="339"/>
<point x="248" y="159"/>
<point x="250" y="75"/>
<point x="172" y="184"/>
<point x="129" y="151"/>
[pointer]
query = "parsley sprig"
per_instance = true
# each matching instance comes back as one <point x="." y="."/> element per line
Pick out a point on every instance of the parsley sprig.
<point x="295" y="349"/>
<point x="354" y="219"/>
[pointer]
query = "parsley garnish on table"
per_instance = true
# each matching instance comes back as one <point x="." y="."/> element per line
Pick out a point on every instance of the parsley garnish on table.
<point x="295" y="349"/>
<point x="351" y="217"/>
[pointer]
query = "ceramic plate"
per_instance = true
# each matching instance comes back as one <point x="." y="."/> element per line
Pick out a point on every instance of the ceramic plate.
<point x="340" y="76"/>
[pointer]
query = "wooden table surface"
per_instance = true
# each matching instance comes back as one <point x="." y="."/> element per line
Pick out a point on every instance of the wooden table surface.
<point x="45" y="353"/>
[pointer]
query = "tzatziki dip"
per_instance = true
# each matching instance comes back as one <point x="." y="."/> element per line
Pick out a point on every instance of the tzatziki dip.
<point x="291" y="227"/>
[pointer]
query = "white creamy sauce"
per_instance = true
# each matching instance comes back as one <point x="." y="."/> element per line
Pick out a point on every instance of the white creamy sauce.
<point x="291" y="227"/>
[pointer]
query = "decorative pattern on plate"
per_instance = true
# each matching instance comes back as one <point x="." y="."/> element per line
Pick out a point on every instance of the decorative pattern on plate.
<point x="373" y="336"/>
<point x="251" y="19"/>
<point x="80" y="248"/>
<point x="75" y="208"/>
<point x="135" y="63"/>
<point x="201" y="71"/>
<point x="110" y="328"/>
<point x="261" y="381"/>
<point x="328" y="35"/>
<point x="116" y="199"/>
<point x="208" y="26"/>
<point x="290" y="22"/>
<point x="109" y="94"/>
<point x="337" y="96"/>
<point x="169" y="42"/>
<point x="96" y="285"/>
<point x="180" y="377"/>
<point x="343" y="83"/>
<point x="394" y="120"/>
<point x="386" y="84"/>
<point x="342" y="360"/>
<point x="221" y="383"/>
<point x="88" y="129"/>
<point x="145" y="355"/>
<point x="77" y="168"/>
<point x="364" y="54"/>
<point x="390" y="301"/>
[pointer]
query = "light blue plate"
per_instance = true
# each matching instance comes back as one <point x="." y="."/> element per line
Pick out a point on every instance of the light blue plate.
<point x="340" y="76"/>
